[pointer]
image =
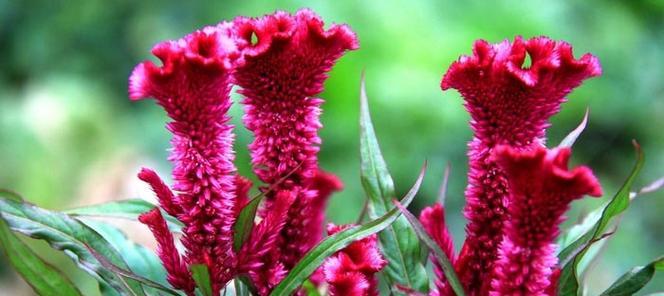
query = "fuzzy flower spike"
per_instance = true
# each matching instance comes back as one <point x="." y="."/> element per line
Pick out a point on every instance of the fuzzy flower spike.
<point x="541" y="189"/>
<point x="509" y="104"/>
<point x="193" y="86"/>
<point x="285" y="62"/>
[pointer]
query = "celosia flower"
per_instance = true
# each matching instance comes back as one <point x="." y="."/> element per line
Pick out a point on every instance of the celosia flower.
<point x="541" y="189"/>
<point x="433" y="221"/>
<point x="282" y="71"/>
<point x="352" y="270"/>
<point x="193" y="87"/>
<point x="510" y="104"/>
<point x="178" y="273"/>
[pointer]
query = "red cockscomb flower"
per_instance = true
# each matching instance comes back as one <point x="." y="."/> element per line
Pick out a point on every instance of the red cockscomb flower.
<point x="433" y="221"/>
<point x="352" y="270"/>
<point x="193" y="86"/>
<point x="541" y="188"/>
<point x="510" y="104"/>
<point x="281" y="72"/>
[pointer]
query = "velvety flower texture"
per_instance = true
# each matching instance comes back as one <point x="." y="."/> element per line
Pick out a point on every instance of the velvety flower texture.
<point x="285" y="62"/>
<point x="193" y="86"/>
<point x="541" y="188"/>
<point x="352" y="270"/>
<point x="509" y="104"/>
<point x="433" y="221"/>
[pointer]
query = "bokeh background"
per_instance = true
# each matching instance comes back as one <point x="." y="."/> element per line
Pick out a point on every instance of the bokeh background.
<point x="69" y="135"/>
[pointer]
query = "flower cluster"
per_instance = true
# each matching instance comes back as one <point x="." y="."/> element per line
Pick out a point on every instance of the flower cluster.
<point x="279" y="74"/>
<point x="352" y="271"/>
<point x="517" y="189"/>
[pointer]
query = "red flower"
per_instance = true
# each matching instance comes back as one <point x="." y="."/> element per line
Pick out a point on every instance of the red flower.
<point x="193" y="86"/>
<point x="541" y="189"/>
<point x="281" y="72"/>
<point x="433" y="221"/>
<point x="178" y="273"/>
<point x="510" y="104"/>
<point x="352" y="270"/>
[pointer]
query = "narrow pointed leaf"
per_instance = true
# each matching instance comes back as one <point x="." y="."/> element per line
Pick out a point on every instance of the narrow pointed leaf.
<point x="67" y="234"/>
<point x="44" y="278"/>
<point x="444" y="261"/>
<point x="201" y="276"/>
<point x="568" y="284"/>
<point x="125" y="209"/>
<point x="634" y="280"/>
<point x="569" y="140"/>
<point x="442" y="192"/>
<point x="315" y="257"/>
<point x="398" y="242"/>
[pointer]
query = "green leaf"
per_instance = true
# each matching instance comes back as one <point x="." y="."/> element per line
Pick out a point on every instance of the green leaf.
<point x="568" y="284"/>
<point x="44" y="278"/>
<point x="634" y="280"/>
<point x="65" y="233"/>
<point x="310" y="288"/>
<point x="398" y="242"/>
<point x="245" y="222"/>
<point x="126" y="275"/>
<point x="569" y="140"/>
<point x="139" y="259"/>
<point x="125" y="209"/>
<point x="443" y="260"/>
<point x="338" y="241"/>
<point x="201" y="276"/>
<point x="241" y="289"/>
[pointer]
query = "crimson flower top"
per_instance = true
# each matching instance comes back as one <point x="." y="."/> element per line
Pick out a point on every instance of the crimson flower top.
<point x="509" y="103"/>
<point x="193" y="86"/>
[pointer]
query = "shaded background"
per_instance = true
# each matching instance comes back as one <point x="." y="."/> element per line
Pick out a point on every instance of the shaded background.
<point x="69" y="135"/>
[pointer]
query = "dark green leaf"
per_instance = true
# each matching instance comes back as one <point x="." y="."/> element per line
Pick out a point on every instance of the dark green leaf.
<point x="65" y="233"/>
<point x="139" y="259"/>
<point x="398" y="242"/>
<point x="634" y="280"/>
<point x="336" y="242"/>
<point x="125" y="209"/>
<point x="569" y="140"/>
<point x="41" y="276"/>
<point x="443" y="260"/>
<point x="568" y="284"/>
<point x="240" y="288"/>
<point x="126" y="275"/>
<point x="201" y="276"/>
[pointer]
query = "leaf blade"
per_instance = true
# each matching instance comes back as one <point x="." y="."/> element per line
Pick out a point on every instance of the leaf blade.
<point x="338" y="241"/>
<point x="399" y="242"/>
<point x="635" y="279"/>
<point x="201" y="276"/>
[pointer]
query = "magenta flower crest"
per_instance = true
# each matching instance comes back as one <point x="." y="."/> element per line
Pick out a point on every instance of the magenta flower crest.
<point x="541" y="189"/>
<point x="352" y="270"/>
<point x="281" y="72"/>
<point x="193" y="86"/>
<point x="509" y="104"/>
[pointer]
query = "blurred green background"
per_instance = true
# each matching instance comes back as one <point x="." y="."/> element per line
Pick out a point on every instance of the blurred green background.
<point x="69" y="135"/>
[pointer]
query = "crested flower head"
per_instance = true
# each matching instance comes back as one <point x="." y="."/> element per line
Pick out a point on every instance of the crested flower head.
<point x="541" y="189"/>
<point x="193" y="86"/>
<point x="285" y="60"/>
<point x="433" y="221"/>
<point x="352" y="270"/>
<point x="509" y="103"/>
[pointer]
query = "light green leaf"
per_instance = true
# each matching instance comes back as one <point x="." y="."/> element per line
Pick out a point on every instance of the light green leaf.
<point x="398" y="242"/>
<point x="41" y="276"/>
<point x="634" y="280"/>
<point x="65" y="233"/>
<point x="569" y="140"/>
<point x="443" y="260"/>
<point x="338" y="241"/>
<point x="201" y="276"/>
<point x="568" y="284"/>
<point x="125" y="209"/>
